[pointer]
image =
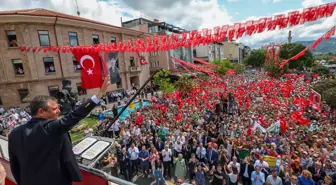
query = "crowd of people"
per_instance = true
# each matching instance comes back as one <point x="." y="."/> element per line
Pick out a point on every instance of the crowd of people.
<point x="11" y="118"/>
<point x="258" y="130"/>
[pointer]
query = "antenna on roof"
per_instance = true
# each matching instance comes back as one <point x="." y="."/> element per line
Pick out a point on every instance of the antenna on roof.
<point x="78" y="13"/>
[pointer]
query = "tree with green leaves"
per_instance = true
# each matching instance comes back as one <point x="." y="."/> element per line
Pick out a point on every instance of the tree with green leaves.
<point x="327" y="89"/>
<point x="321" y="70"/>
<point x="274" y="69"/>
<point x="162" y="80"/>
<point x="185" y="84"/>
<point x="239" y="68"/>
<point x="289" y="50"/>
<point x="329" y="96"/>
<point x="225" y="65"/>
<point x="321" y="86"/>
<point x="256" y="58"/>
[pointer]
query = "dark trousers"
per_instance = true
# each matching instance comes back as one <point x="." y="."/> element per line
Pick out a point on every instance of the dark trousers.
<point x="202" y="160"/>
<point x="124" y="172"/>
<point x="110" y="133"/>
<point x="166" y="165"/>
<point x="116" y="133"/>
<point x="134" y="167"/>
<point x="246" y="180"/>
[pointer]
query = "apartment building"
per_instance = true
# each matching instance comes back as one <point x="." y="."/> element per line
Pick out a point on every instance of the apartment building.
<point x="161" y="59"/>
<point x="24" y="75"/>
<point x="209" y="52"/>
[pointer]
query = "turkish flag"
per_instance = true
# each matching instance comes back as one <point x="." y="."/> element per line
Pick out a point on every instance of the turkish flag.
<point x="91" y="70"/>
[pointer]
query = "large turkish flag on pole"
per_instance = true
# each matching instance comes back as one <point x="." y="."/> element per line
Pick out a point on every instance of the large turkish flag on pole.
<point x="91" y="70"/>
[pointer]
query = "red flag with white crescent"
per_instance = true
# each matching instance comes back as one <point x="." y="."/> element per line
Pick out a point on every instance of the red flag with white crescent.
<point x="91" y="69"/>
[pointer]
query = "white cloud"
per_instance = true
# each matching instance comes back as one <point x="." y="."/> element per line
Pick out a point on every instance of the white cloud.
<point x="268" y="1"/>
<point x="187" y="14"/>
<point x="308" y="31"/>
<point x="309" y="3"/>
<point x="232" y="1"/>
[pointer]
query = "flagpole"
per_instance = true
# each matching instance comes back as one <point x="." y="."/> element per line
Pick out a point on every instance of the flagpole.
<point x="130" y="101"/>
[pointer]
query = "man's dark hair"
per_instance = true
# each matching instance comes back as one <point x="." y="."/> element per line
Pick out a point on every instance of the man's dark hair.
<point x="39" y="102"/>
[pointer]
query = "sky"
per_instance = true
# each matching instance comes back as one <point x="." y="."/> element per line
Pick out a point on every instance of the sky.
<point x="191" y="14"/>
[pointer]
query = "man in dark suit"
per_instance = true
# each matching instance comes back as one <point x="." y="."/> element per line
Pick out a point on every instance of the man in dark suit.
<point x="40" y="151"/>
<point x="317" y="172"/>
<point x="212" y="157"/>
<point x="246" y="170"/>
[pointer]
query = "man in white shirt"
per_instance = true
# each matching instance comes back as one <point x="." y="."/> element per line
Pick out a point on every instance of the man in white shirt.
<point x="234" y="163"/>
<point x="167" y="156"/>
<point x="178" y="147"/>
<point x="116" y="128"/>
<point x="134" y="152"/>
<point x="181" y="138"/>
<point x="201" y="153"/>
<point x="263" y="164"/>
<point x="137" y="130"/>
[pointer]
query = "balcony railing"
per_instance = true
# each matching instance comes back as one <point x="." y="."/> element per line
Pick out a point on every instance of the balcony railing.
<point x="134" y="68"/>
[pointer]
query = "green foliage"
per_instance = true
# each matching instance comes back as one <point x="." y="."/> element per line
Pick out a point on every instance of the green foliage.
<point x="327" y="89"/>
<point x="321" y="70"/>
<point x="184" y="84"/>
<point x="291" y="49"/>
<point x="322" y="86"/>
<point x="256" y="58"/>
<point x="324" y="56"/>
<point x="274" y="69"/>
<point x="239" y="68"/>
<point x="162" y="80"/>
<point x="329" y="96"/>
<point x="225" y="65"/>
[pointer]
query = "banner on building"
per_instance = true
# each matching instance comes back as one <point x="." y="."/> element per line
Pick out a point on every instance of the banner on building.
<point x="112" y="67"/>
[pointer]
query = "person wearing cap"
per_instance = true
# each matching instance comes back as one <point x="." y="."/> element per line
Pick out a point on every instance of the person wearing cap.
<point x="273" y="178"/>
<point x="305" y="160"/>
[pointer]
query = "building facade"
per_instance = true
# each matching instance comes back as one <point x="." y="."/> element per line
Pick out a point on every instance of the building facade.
<point x="209" y="52"/>
<point x="24" y="75"/>
<point x="161" y="59"/>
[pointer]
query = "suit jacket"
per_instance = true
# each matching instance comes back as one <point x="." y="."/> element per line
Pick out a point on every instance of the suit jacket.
<point x="159" y="145"/>
<point x="213" y="157"/>
<point x="40" y="151"/>
<point x="317" y="177"/>
<point x="250" y="169"/>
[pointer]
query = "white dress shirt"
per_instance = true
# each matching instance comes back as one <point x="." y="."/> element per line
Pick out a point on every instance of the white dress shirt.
<point x="167" y="154"/>
<point x="178" y="147"/>
<point x="134" y="153"/>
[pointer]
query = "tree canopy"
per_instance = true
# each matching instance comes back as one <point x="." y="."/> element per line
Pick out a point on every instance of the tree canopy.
<point x="291" y="49"/>
<point x="327" y="89"/>
<point x="225" y="65"/>
<point x="256" y="58"/>
<point x="162" y="80"/>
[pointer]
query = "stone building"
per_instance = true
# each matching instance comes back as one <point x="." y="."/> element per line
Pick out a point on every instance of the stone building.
<point x="24" y="75"/>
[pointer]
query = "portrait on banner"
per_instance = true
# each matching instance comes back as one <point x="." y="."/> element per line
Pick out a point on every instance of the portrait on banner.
<point x="113" y="66"/>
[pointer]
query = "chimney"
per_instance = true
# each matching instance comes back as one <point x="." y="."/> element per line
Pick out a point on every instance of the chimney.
<point x="156" y="20"/>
